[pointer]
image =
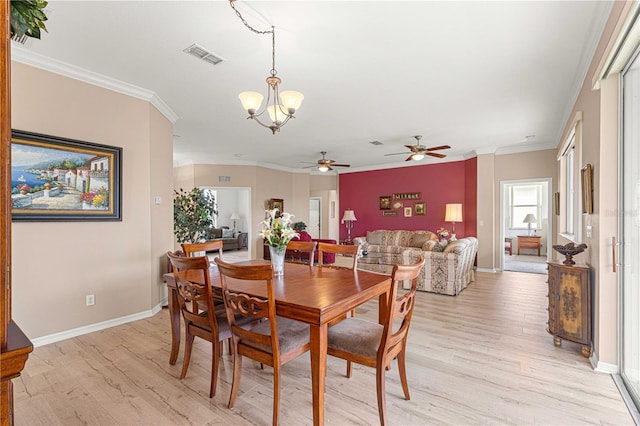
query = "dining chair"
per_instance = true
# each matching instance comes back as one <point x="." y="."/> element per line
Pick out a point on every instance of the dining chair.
<point x="198" y="311"/>
<point x="274" y="341"/>
<point x="376" y="345"/>
<point x="342" y="249"/>
<point x="191" y="249"/>
<point x="300" y="252"/>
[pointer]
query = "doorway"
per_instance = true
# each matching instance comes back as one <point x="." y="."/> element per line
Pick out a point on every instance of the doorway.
<point x="525" y="225"/>
<point x="313" y="227"/>
<point x="234" y="211"/>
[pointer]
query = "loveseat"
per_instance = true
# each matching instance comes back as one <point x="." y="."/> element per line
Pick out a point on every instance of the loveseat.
<point x="448" y="269"/>
<point x="231" y="240"/>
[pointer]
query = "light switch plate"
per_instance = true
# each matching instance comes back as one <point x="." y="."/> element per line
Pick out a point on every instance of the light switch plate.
<point x="589" y="231"/>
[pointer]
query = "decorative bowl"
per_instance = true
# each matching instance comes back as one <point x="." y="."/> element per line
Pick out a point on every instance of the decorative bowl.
<point x="569" y="250"/>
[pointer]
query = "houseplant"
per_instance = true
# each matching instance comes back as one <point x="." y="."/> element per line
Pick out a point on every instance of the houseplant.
<point x="193" y="213"/>
<point x="27" y="18"/>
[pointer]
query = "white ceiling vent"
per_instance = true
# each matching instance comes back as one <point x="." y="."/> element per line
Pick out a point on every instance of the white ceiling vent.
<point x="376" y="143"/>
<point x="202" y="53"/>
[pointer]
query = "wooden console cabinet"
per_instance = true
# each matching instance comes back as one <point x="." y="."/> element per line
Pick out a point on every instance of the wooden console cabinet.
<point x="570" y="304"/>
<point x="532" y="242"/>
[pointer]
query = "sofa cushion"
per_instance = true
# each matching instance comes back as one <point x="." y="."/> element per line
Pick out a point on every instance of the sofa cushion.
<point x="375" y="237"/>
<point x="227" y="233"/>
<point x="429" y="245"/>
<point x="418" y="239"/>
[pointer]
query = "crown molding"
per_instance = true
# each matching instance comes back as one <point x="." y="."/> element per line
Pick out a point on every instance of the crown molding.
<point x="28" y="57"/>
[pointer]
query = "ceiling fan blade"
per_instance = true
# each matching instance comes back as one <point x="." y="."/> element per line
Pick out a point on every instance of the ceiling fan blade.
<point x="341" y="165"/>
<point x="414" y="148"/>
<point x="435" y="148"/>
<point x="409" y="158"/>
<point x="434" y="154"/>
<point x="329" y="167"/>
<point x="397" y="153"/>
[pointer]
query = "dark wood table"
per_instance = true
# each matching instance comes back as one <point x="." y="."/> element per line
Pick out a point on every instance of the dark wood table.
<point x="315" y="296"/>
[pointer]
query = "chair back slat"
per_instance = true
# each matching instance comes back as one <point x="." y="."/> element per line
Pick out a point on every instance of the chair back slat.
<point x="246" y="305"/>
<point x="301" y="252"/>
<point x="350" y="250"/>
<point x="400" y="307"/>
<point x="192" y="248"/>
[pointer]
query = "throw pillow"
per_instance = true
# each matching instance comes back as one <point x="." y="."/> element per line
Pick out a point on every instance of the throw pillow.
<point x="438" y="248"/>
<point x="429" y="245"/>
<point x="374" y="237"/>
<point x="418" y="239"/>
<point x="227" y="233"/>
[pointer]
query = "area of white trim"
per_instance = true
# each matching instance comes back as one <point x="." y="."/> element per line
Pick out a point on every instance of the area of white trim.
<point x="602" y="367"/>
<point x="489" y="270"/>
<point x="63" y="335"/>
<point x="27" y="57"/>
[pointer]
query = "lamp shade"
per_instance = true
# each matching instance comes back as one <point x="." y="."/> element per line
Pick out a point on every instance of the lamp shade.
<point x="251" y="101"/>
<point x="291" y="99"/>
<point x="234" y="216"/>
<point x="453" y="213"/>
<point x="529" y="218"/>
<point x="349" y="215"/>
<point x="417" y="156"/>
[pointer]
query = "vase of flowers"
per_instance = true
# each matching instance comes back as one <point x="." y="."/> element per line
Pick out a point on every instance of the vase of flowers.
<point x="442" y="234"/>
<point x="277" y="233"/>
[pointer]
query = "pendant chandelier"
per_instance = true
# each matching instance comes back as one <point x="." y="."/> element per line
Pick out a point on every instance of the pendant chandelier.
<point x="280" y="106"/>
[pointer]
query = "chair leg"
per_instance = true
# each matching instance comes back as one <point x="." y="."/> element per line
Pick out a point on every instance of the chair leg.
<point x="188" y="343"/>
<point x="403" y="374"/>
<point x="276" y="393"/>
<point x="237" y="370"/>
<point x="382" y="405"/>
<point x="349" y="365"/>
<point x="215" y="359"/>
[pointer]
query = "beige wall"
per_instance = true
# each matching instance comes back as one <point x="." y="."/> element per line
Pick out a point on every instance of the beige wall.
<point x="265" y="183"/>
<point x="599" y="147"/>
<point x="56" y="264"/>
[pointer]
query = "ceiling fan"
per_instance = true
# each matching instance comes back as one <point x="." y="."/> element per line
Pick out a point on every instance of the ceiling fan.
<point x="419" y="151"/>
<point x="324" y="165"/>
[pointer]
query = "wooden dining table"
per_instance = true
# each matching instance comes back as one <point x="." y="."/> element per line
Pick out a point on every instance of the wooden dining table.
<point x="314" y="295"/>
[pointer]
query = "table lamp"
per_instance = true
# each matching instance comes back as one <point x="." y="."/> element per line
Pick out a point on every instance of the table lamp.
<point x="529" y="219"/>
<point x="234" y="217"/>
<point x="453" y="214"/>
<point x="349" y="217"/>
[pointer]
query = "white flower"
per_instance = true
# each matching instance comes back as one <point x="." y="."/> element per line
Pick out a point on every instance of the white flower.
<point x="277" y="230"/>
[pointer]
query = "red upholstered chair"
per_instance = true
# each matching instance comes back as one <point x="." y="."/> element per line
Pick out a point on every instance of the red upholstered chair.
<point x="328" y="258"/>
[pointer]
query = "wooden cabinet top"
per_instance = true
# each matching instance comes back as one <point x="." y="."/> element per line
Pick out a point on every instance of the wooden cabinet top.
<point x="559" y="264"/>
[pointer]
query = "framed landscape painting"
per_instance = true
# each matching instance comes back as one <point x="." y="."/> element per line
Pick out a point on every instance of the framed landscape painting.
<point x="58" y="179"/>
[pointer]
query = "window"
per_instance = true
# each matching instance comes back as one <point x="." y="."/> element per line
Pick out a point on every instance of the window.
<point x="570" y="189"/>
<point x="525" y="199"/>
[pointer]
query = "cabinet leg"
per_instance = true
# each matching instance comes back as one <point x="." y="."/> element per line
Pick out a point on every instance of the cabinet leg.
<point x="557" y="341"/>
<point x="586" y="351"/>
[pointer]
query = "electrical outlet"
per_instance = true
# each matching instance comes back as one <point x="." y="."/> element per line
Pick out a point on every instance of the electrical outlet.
<point x="91" y="300"/>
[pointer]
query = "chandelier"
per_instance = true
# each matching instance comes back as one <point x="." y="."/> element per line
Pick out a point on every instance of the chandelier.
<point x="280" y="106"/>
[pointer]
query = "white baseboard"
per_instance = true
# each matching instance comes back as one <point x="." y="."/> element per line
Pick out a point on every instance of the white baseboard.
<point x="63" y="335"/>
<point x="602" y="367"/>
<point x="489" y="270"/>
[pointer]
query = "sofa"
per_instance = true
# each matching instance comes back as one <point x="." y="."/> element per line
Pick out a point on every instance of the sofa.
<point x="231" y="240"/>
<point x="448" y="268"/>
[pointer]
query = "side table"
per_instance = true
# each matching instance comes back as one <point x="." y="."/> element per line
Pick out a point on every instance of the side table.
<point x="243" y="240"/>
<point x="529" y="242"/>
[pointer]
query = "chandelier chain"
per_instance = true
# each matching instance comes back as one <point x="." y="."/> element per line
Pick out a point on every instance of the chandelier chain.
<point x="273" y="37"/>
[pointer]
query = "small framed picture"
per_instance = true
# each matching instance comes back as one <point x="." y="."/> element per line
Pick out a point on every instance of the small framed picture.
<point x="419" y="209"/>
<point x="407" y="211"/>
<point x="276" y="203"/>
<point x="390" y="213"/>
<point x="385" y="202"/>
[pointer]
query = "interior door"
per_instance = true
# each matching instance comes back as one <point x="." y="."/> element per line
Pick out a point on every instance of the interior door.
<point x="313" y="227"/>
<point x="630" y="244"/>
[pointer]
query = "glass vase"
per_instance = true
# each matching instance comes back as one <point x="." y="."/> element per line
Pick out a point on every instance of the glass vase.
<point x="277" y="259"/>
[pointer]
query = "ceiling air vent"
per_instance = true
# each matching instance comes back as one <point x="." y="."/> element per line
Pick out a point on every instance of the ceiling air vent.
<point x="376" y="143"/>
<point x="202" y="53"/>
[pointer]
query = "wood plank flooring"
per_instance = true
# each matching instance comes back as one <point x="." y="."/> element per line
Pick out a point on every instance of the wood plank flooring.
<point x="479" y="358"/>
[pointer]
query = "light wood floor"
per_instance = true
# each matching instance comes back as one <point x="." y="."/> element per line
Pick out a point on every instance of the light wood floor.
<point x="480" y="358"/>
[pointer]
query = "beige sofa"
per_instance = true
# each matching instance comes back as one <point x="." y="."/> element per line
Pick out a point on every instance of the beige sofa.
<point x="445" y="272"/>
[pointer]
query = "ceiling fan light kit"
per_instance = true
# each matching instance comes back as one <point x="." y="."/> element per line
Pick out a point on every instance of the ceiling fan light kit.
<point x="324" y="165"/>
<point x="280" y="106"/>
<point x="418" y="152"/>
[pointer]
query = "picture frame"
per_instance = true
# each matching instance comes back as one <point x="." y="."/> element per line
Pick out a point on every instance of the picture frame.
<point x="61" y="179"/>
<point x="385" y="202"/>
<point x="276" y="203"/>
<point x="586" y="181"/>
<point x="556" y="203"/>
<point x="419" y="209"/>
<point x="389" y="213"/>
<point x="407" y="212"/>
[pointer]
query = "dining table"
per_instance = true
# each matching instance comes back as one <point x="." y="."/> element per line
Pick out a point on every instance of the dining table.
<point x="317" y="295"/>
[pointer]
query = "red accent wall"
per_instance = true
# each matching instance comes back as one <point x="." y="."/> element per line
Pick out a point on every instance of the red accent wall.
<point x="440" y="184"/>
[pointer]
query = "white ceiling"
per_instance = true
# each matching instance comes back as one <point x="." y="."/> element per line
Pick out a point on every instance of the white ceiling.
<point x="478" y="76"/>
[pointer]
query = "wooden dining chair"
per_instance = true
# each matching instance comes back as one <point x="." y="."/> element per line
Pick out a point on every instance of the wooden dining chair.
<point x="274" y="341"/>
<point x="345" y="250"/>
<point x="300" y="252"/>
<point x="376" y="345"/>
<point x="191" y="249"/>
<point x="196" y="304"/>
